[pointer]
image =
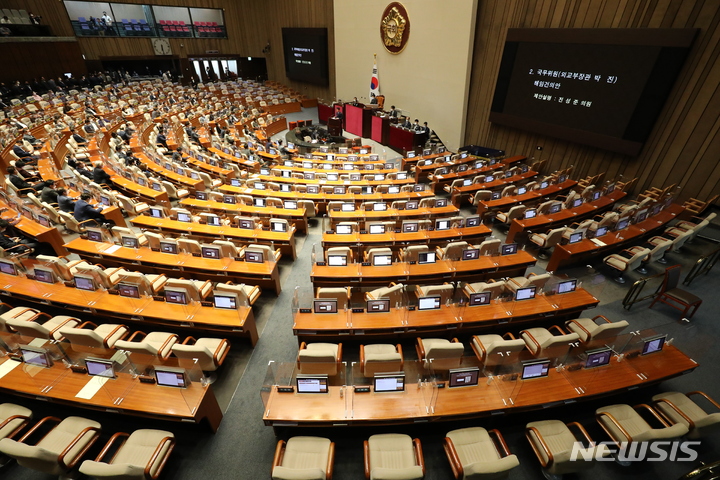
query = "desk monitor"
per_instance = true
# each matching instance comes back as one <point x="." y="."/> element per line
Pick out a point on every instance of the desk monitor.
<point x="596" y="195"/>
<point x="577" y="202"/>
<point x="332" y="177"/>
<point x="369" y="167"/>
<point x="184" y="217"/>
<point x="337" y="260"/>
<point x="441" y="202"/>
<point x="566" y="286"/>
<point x="201" y="196"/>
<point x="535" y="369"/>
<point x="278" y="226"/>
<point x="412" y="205"/>
<point x="544" y="185"/>
<point x="489" y="178"/>
<point x="141" y="181"/>
<point x="95" y="234"/>
<point x="419" y="187"/>
<point x="402" y="175"/>
<point x="105" y="200"/>
<point x="286" y="173"/>
<point x="521" y="190"/>
<point x="98" y="367"/>
<point x="393" y="189"/>
<point x="157" y="187"/>
<point x="246" y="223"/>
<point x="171" y="377"/>
<point x="575" y="237"/>
<point x="509" y="249"/>
<point x="84" y="282"/>
<point x="641" y="215"/>
<point x="343" y="229"/>
<point x="44" y="274"/>
<point x="376" y="306"/>
<point x="463" y="155"/>
<point x="554" y="208"/>
<point x="259" y="202"/>
<point x="291" y="146"/>
<point x="530" y="213"/>
<point x="284" y="188"/>
<point x="653" y="211"/>
<point x="43" y="220"/>
<point x="379" y="206"/>
<point x="442" y="225"/>
<point x="342" y="150"/>
<point x="27" y="212"/>
<point x="622" y="224"/>
<point x="176" y="296"/>
<point x="382" y="260"/>
<point x="525" y="293"/>
<point x="562" y="178"/>
<point x="601" y="231"/>
<point x="376" y="228"/>
<point x="524" y="168"/>
<point x="410" y="227"/>
<point x="307" y="164"/>
<point x="130" y="242"/>
<point x="229" y="199"/>
<point x="428" y="303"/>
<point x="610" y="188"/>
<point x="379" y="177"/>
<point x="312" y="383"/>
<point x="598" y="357"/>
<point x="347" y="207"/>
<point x="35" y="356"/>
<point x="325" y="305"/>
<point x="653" y="344"/>
<point x="355" y="177"/>
<point x="168" y="246"/>
<point x="463" y="377"/>
<point x="467" y="182"/>
<point x="363" y="151"/>
<point x="426" y="257"/>
<point x="339" y="190"/>
<point x="234" y="182"/>
<point x="259" y="186"/>
<point x="8" y="268"/>
<point x="471" y="254"/>
<point x="668" y="201"/>
<point x="367" y="190"/>
<point x="480" y="298"/>
<point x="264" y="171"/>
<point x="462" y="168"/>
<point x="129" y="290"/>
<point x="156" y="213"/>
<point x="210" y="252"/>
<point x="290" y="204"/>
<point x="410" y="154"/>
<point x="388" y="166"/>
<point x="495" y="195"/>
<point x="254" y="257"/>
<point x="168" y="166"/>
<point x="309" y="176"/>
<point x="389" y="382"/>
<point x="225" y="301"/>
<point x="472" y="222"/>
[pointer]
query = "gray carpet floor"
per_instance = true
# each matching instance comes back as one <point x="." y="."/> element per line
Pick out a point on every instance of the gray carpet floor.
<point x="243" y="447"/>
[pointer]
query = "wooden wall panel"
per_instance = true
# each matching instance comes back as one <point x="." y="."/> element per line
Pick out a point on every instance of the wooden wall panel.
<point x="250" y="24"/>
<point x="684" y="146"/>
<point x="30" y="60"/>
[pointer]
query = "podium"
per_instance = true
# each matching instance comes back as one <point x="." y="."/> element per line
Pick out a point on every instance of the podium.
<point x="358" y="120"/>
<point x="334" y="126"/>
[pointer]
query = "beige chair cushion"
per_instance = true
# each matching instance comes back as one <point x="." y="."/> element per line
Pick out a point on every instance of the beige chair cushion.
<point x="478" y="455"/>
<point x="205" y="350"/>
<point x="638" y="429"/>
<point x="559" y="440"/>
<point x="305" y="458"/>
<point x="8" y="410"/>
<point x="703" y="421"/>
<point x="392" y="456"/>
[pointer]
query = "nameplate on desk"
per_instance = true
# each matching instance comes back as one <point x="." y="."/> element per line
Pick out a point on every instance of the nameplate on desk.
<point x="358" y="310"/>
<point x="286" y="389"/>
<point x="410" y="308"/>
<point x="146" y="379"/>
<point x="329" y="232"/>
<point x="362" y="389"/>
<point x="320" y="264"/>
<point x="363" y="232"/>
<point x="440" y="385"/>
<point x="78" y="369"/>
<point x="305" y="310"/>
<point x="366" y="264"/>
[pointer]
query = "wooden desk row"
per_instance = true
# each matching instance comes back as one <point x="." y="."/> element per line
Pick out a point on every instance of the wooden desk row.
<point x="285" y="241"/>
<point x="358" y="275"/>
<point x="403" y="239"/>
<point x="528" y="198"/>
<point x="584" y="250"/>
<point x="440" y="182"/>
<point x="448" y="320"/>
<point x="566" y="216"/>
<point x="32" y="229"/>
<point x="171" y="176"/>
<point x="459" y="194"/>
<point x="322" y="182"/>
<point x="392" y="214"/>
<point x="499" y="395"/>
<point x="145" y="311"/>
<point x="296" y="216"/>
<point x="265" y="275"/>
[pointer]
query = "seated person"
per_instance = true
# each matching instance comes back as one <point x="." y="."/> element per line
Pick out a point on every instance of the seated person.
<point x="416" y="126"/>
<point x="20" y="183"/>
<point x="177" y="155"/>
<point x="406" y="123"/>
<point x="100" y="176"/>
<point x="49" y="194"/>
<point x="80" y="140"/>
<point x="161" y="139"/>
<point x="65" y="203"/>
<point x="71" y="161"/>
<point x="88" y="128"/>
<point x="83" y="170"/>
<point x="28" y="137"/>
<point x="373" y="99"/>
<point x="84" y="211"/>
<point x="12" y="239"/>
<point x="20" y="151"/>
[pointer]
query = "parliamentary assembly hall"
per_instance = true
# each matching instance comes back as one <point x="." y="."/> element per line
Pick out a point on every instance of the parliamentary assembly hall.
<point x="380" y="240"/>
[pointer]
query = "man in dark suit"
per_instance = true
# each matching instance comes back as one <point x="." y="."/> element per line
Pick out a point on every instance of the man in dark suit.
<point x="14" y="244"/>
<point x="162" y="140"/>
<point x="88" y="128"/>
<point x="100" y="176"/>
<point x="406" y="123"/>
<point x="49" y="194"/>
<point x="84" y="211"/>
<point x="82" y="170"/>
<point x="65" y="203"/>
<point x="80" y="140"/>
<point x="20" y="151"/>
<point x="393" y="113"/>
<point x="416" y="126"/>
<point x="21" y="184"/>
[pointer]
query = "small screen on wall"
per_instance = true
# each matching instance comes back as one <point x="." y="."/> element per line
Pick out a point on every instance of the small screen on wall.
<point x="306" y="54"/>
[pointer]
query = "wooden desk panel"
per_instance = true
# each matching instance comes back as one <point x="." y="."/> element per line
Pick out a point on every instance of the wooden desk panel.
<point x="334" y="183"/>
<point x="170" y="175"/>
<point x="439" y="181"/>
<point x="297" y="216"/>
<point x="401" y="240"/>
<point x="32" y="229"/>
<point x="528" y="198"/>
<point x="459" y="194"/>
<point x="265" y="275"/>
<point x="391" y="214"/>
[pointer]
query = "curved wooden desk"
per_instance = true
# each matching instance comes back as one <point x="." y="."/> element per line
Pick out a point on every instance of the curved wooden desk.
<point x="528" y="198"/>
<point x="401" y="240"/>
<point x="461" y="193"/>
<point x="32" y="229"/>
<point x="391" y="214"/>
<point x="443" y="182"/>
<point x="296" y="216"/>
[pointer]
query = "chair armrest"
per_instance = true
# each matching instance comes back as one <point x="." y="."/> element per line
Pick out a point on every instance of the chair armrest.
<point x="455" y="463"/>
<point x="366" y="459"/>
<point x="156" y="453"/>
<point x="25" y="418"/>
<point x="544" y="446"/>
<point x="139" y="332"/>
<point x="612" y="419"/>
<point x="652" y="412"/>
<point x="603" y="317"/>
<point x="223" y="347"/>
<point x="398" y="347"/>
<point x="339" y="353"/>
<point x="86" y="324"/>
<point x="418" y="454"/>
<point x="578" y="325"/>
<point x="500" y="440"/>
<point x="362" y="357"/>
<point x="70" y="447"/>
<point x="558" y="329"/>
<point x="508" y="336"/>
<point x="111" y="334"/>
<point x="705" y="395"/>
<point x="420" y="349"/>
<point x="110" y="443"/>
<point x="188" y="340"/>
<point x="331" y="462"/>
<point x="477" y="345"/>
<point x="166" y="343"/>
<point x="582" y="431"/>
<point x="677" y="410"/>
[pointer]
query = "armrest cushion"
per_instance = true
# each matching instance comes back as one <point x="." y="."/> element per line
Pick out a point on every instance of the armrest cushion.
<point x="502" y="465"/>
<point x="104" y="470"/>
<point x="284" y="473"/>
<point x="408" y="473"/>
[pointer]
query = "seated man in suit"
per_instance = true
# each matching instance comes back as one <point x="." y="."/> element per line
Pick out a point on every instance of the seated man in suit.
<point x="88" y="128"/>
<point x="28" y="137"/>
<point x="416" y="126"/>
<point x="49" y="194"/>
<point x="84" y="211"/>
<point x="161" y="139"/>
<point x="406" y="123"/>
<point x="100" y="176"/>
<point x="80" y="140"/>
<point x="65" y="203"/>
<point x="192" y="135"/>
<point x="20" y="151"/>
<point x="83" y="170"/>
<point x="373" y="99"/>
<point x="21" y="184"/>
<point x="14" y="243"/>
<point x="394" y="113"/>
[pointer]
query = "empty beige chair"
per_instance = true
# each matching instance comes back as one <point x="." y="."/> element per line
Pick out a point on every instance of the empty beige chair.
<point x="13" y="418"/>
<point x="533" y="279"/>
<point x="395" y="292"/>
<point x="156" y="344"/>
<point x="677" y="240"/>
<point x="88" y="334"/>
<point x="154" y="239"/>
<point x="189" y="246"/>
<point x="656" y="254"/>
<point x="120" y="232"/>
<point x="59" y="450"/>
<point x="309" y="207"/>
<point x="686" y="225"/>
<point x="342" y="251"/>
<point x="411" y="252"/>
<point x="624" y="264"/>
<point x="453" y="250"/>
<point x="174" y="193"/>
<point x="493" y="349"/>
<point x="229" y="249"/>
<point x="23" y="314"/>
<point x="596" y="331"/>
<point x="491" y="246"/>
<point x="341" y="294"/>
<point x="474" y="455"/>
<point x="380" y="358"/>
<point x="547" y="240"/>
<point x="439" y="353"/>
<point x="141" y="456"/>
<point x="148" y="285"/>
<point x="581" y="227"/>
<point x="319" y="358"/>
<point x="49" y="330"/>
<point x="544" y="207"/>
<point x="106" y="278"/>
<point x="507" y="217"/>
<point x="445" y="291"/>
<point x="553" y="441"/>
<point x="495" y="288"/>
<point x="131" y="206"/>
<point x="481" y="196"/>
<point x="393" y="456"/>
<point x="378" y="251"/>
<point x="543" y="344"/>
<point x="269" y="255"/>
<point x="247" y="294"/>
<point x="679" y="408"/>
<point x="304" y="458"/>
<point x="209" y="353"/>
<point x="195" y="290"/>
<point x="623" y="423"/>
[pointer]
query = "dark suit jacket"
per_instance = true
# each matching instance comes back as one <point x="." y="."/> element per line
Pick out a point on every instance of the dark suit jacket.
<point x="78" y="138"/>
<point x="21" y="152"/>
<point x="100" y="176"/>
<point x="66" y="204"/>
<point x="19" y="182"/>
<point x="84" y="211"/>
<point x="394" y="113"/>
<point x="49" y="195"/>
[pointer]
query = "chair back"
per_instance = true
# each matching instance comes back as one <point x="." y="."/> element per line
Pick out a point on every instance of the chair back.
<point x="490" y="246"/>
<point x="340" y="294"/>
<point x="83" y="337"/>
<point x="412" y="252"/>
<point x="672" y="278"/>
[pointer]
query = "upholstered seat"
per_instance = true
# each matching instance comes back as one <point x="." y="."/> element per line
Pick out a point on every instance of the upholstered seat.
<point x="392" y="456"/>
<point x="596" y="331"/>
<point x="553" y="441"/>
<point x="12" y="419"/>
<point x="444" y="291"/>
<point x="439" y="353"/>
<point x="246" y="293"/>
<point x="679" y="408"/>
<point x="542" y="343"/>
<point x="493" y="349"/>
<point x="304" y="458"/>
<point x="395" y="293"/>
<point x="632" y="260"/>
<point x="536" y="280"/>
<point x="624" y="424"/>
<point x="323" y="358"/>
<point x="380" y="358"/>
<point x="158" y="344"/>
<point x="97" y="336"/>
<point x="473" y="455"/>
<point x="341" y="294"/>
<point x="495" y="288"/>
<point x="210" y="353"/>
<point x="49" y="329"/>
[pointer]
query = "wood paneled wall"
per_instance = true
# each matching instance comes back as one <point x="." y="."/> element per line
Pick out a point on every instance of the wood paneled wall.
<point x="39" y="59"/>
<point x="684" y="146"/>
<point x="250" y="25"/>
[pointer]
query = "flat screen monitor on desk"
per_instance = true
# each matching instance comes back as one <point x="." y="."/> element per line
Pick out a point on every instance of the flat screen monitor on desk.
<point x="442" y="225"/>
<point x="171" y="377"/>
<point x="307" y="164"/>
<point x="412" y="205"/>
<point x="43" y="220"/>
<point x="641" y="215"/>
<point x="343" y="229"/>
<point x="381" y="260"/>
<point x="35" y="356"/>
<point x="379" y="207"/>
<point x="495" y="195"/>
<point x="426" y="257"/>
<point x="254" y="257"/>
<point x="156" y="213"/>
<point x="566" y="286"/>
<point x="622" y="224"/>
<point x="141" y="181"/>
<point x="347" y="207"/>
<point x="509" y="249"/>
<point x="210" y="252"/>
<point x="598" y="357"/>
<point x="575" y="237"/>
<point x="655" y="209"/>
<point x="402" y="176"/>
<point x="388" y="166"/>
<point x="259" y="202"/>
<point x="609" y="189"/>
<point x="419" y="187"/>
<point x="535" y="369"/>
<point x="577" y="202"/>
<point x="225" y="301"/>
<point x="43" y="274"/>
<point x="410" y="154"/>
<point x="377" y="228"/>
<point x="213" y="220"/>
<point x="8" y="268"/>
<point x="530" y="213"/>
<point x="157" y="187"/>
<point x="339" y="190"/>
<point x="284" y="188"/>
<point x="428" y="303"/>
<point x="521" y="190"/>
<point x="467" y="182"/>
<point x="471" y="254"/>
<point x="234" y="182"/>
<point x="393" y="189"/>
<point x="543" y="185"/>
<point x="601" y="231"/>
<point x="95" y="234"/>
<point x="169" y="247"/>
<point x="278" y="226"/>
<point x="128" y="290"/>
<point x="376" y="306"/>
<point x="596" y="195"/>
<point x="97" y="367"/>
<point x="84" y="282"/>
<point x="130" y="242"/>
<point x="441" y="202"/>
<point x="337" y="260"/>
<point x="472" y="221"/>
<point x="525" y="293"/>
<point x="325" y="305"/>
<point x="332" y="177"/>
<point x="201" y="196"/>
<point x="312" y="383"/>
<point x="229" y="199"/>
<point x="489" y="178"/>
<point x="554" y="208"/>
<point x="379" y="177"/>
<point x="389" y="382"/>
<point x="246" y="223"/>
<point x="480" y="298"/>
<point x="290" y="204"/>
<point x="463" y="377"/>
<point x="410" y="227"/>
<point x="355" y="177"/>
<point x="653" y="344"/>
<point x="176" y="296"/>
<point x="309" y="176"/>
<point x="184" y="217"/>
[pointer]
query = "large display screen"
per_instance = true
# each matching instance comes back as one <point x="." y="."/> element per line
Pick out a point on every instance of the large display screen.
<point x="306" y="54"/>
<point x="599" y="87"/>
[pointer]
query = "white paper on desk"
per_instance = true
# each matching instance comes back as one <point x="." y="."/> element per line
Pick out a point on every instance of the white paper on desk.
<point x="8" y="366"/>
<point x="111" y="249"/>
<point x="91" y="388"/>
